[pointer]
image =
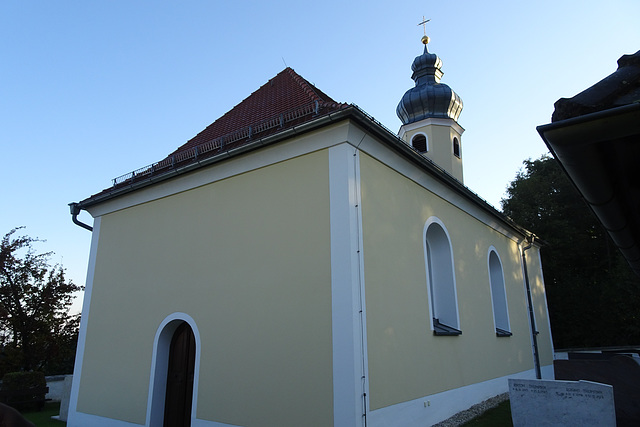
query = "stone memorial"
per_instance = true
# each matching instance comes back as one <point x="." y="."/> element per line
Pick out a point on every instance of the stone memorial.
<point x="64" y="401"/>
<point x="543" y="403"/>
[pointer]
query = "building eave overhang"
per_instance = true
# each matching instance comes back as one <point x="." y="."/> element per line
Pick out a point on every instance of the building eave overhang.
<point x="353" y="113"/>
<point x="412" y="155"/>
<point x="596" y="152"/>
<point x="139" y="184"/>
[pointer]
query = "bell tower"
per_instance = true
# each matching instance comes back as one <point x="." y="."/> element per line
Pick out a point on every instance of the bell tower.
<point x="429" y="113"/>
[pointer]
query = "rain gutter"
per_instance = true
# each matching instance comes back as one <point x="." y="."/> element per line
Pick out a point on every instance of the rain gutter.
<point x="586" y="148"/>
<point x="361" y="118"/>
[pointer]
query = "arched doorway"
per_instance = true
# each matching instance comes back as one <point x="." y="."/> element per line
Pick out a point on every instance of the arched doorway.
<point x="180" y="375"/>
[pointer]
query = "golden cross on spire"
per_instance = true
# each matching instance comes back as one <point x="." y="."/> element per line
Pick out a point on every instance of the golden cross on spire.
<point x="424" y="24"/>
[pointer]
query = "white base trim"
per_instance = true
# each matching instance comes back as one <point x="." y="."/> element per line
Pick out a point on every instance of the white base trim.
<point x="82" y="419"/>
<point x="438" y="407"/>
<point x="204" y="423"/>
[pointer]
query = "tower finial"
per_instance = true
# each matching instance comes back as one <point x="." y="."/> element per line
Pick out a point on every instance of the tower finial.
<point x="425" y="39"/>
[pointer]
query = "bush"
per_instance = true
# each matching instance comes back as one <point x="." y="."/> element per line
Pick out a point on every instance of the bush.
<point x="18" y="382"/>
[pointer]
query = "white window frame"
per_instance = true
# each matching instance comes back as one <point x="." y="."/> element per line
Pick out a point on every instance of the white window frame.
<point x="453" y="147"/>
<point x="441" y="280"/>
<point x="426" y="142"/>
<point x="498" y="289"/>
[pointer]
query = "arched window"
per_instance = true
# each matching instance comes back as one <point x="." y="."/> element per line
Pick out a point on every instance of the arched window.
<point x="419" y="142"/>
<point x="498" y="295"/>
<point x="441" y="279"/>
<point x="456" y="147"/>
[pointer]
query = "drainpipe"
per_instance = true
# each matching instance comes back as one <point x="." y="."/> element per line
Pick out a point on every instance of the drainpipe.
<point x="75" y="210"/>
<point x="532" y="320"/>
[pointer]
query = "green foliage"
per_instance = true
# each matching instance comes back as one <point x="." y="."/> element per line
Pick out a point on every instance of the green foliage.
<point x="22" y="380"/>
<point x="592" y="293"/>
<point x="19" y="382"/>
<point x="43" y="418"/>
<point x="36" y="330"/>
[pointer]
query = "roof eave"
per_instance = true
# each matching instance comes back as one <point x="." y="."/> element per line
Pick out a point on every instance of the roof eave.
<point x="577" y="144"/>
<point x="268" y="140"/>
<point x="396" y="143"/>
<point x="352" y="112"/>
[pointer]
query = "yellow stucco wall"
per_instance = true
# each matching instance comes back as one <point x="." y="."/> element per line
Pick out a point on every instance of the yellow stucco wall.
<point x="406" y="361"/>
<point x="253" y="271"/>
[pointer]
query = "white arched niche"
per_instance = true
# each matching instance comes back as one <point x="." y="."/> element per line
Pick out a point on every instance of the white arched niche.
<point x="441" y="283"/>
<point x="498" y="294"/>
<point x="160" y="366"/>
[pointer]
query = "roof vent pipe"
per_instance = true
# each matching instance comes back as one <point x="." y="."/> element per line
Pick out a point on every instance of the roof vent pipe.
<point x="75" y="210"/>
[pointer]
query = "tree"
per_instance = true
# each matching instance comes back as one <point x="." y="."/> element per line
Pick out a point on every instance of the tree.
<point x="592" y="293"/>
<point x="36" y="330"/>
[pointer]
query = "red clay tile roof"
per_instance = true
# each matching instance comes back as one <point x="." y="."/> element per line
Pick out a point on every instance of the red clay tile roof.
<point x="284" y="93"/>
<point x="284" y="101"/>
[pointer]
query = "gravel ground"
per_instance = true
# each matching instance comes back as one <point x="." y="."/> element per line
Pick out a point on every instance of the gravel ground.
<point x="465" y="416"/>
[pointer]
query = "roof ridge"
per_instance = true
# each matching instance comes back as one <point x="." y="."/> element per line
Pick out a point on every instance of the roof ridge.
<point x="284" y="93"/>
<point x="304" y="84"/>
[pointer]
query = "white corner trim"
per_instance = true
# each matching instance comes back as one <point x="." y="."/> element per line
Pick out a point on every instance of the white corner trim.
<point x="347" y="306"/>
<point x="72" y="418"/>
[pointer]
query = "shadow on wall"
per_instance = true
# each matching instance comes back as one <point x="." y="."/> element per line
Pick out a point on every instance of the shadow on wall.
<point x="620" y="371"/>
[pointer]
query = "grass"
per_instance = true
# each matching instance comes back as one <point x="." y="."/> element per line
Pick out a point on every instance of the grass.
<point x="43" y="418"/>
<point x="500" y="416"/>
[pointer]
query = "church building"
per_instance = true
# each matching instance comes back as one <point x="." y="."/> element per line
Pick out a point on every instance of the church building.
<point x="298" y="264"/>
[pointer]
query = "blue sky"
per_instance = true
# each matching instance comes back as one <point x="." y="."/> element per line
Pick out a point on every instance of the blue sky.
<point x="90" y="90"/>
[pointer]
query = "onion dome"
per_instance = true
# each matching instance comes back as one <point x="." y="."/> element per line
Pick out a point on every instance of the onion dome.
<point x="429" y="98"/>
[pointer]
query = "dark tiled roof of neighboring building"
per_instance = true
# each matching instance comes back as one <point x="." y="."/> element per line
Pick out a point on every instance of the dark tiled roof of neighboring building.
<point x="620" y="88"/>
<point x="594" y="137"/>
